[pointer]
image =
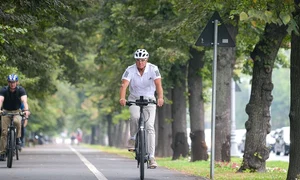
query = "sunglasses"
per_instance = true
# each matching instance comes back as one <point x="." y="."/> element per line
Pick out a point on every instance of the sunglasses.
<point x="139" y="60"/>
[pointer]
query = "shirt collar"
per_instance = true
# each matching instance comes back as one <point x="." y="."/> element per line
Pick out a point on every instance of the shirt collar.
<point x="146" y="68"/>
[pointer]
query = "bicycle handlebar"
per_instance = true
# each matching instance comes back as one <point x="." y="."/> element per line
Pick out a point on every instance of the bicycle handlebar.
<point x="141" y="102"/>
<point x="5" y="113"/>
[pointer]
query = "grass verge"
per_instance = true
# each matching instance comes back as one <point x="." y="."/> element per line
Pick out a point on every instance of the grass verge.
<point x="222" y="170"/>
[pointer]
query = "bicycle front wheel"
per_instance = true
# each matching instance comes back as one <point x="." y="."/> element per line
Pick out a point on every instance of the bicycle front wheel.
<point x="142" y="150"/>
<point x="10" y="148"/>
<point x="17" y="151"/>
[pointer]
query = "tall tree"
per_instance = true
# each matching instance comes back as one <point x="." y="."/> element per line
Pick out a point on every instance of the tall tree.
<point x="165" y="127"/>
<point x="196" y="105"/>
<point x="258" y="125"/>
<point x="294" y="171"/>
<point x="226" y="60"/>
<point x="179" y="124"/>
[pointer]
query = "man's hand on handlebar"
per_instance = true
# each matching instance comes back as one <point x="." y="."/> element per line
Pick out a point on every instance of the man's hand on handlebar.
<point x="122" y="102"/>
<point x="26" y="113"/>
<point x="160" y="102"/>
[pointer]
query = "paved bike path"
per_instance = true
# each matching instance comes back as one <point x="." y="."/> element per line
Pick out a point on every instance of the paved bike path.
<point x="115" y="167"/>
<point x="65" y="162"/>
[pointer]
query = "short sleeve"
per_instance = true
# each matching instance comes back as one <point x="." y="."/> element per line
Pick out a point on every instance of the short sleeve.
<point x="126" y="75"/>
<point x="3" y="91"/>
<point x="156" y="72"/>
<point x="22" y="91"/>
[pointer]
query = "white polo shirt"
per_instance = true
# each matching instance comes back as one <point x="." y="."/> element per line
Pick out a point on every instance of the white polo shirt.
<point x="142" y="85"/>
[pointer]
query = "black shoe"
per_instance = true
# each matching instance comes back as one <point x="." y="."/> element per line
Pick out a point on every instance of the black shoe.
<point x="19" y="148"/>
<point x="2" y="157"/>
<point x="19" y="142"/>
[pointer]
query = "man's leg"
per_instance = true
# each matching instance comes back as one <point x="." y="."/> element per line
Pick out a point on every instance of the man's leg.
<point x="4" y="125"/>
<point x="134" y="118"/>
<point x="18" y="124"/>
<point x="150" y="112"/>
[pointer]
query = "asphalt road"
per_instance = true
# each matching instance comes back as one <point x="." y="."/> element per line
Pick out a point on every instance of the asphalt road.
<point x="65" y="162"/>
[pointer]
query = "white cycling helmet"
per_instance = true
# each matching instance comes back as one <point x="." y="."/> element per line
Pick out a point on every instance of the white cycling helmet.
<point x="141" y="53"/>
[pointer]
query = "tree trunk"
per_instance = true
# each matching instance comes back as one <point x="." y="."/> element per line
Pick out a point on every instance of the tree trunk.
<point x="109" y="130"/>
<point x="226" y="60"/>
<point x="179" y="136"/>
<point x="102" y="133"/>
<point x="164" y="138"/>
<point x="196" y="106"/>
<point x="258" y="125"/>
<point x="294" y="171"/>
<point x="223" y="102"/>
<point x="97" y="134"/>
<point x="93" y="134"/>
<point x="126" y="134"/>
<point x="119" y="133"/>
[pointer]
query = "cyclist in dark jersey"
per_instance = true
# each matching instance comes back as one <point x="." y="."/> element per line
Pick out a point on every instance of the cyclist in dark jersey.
<point x="11" y="97"/>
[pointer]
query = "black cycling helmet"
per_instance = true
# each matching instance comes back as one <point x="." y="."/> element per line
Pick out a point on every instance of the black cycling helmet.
<point x="12" y="77"/>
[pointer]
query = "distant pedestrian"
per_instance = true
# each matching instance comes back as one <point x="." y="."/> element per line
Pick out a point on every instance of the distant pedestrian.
<point x="79" y="136"/>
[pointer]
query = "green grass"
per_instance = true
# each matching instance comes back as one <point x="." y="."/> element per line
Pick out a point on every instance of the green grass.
<point x="276" y="170"/>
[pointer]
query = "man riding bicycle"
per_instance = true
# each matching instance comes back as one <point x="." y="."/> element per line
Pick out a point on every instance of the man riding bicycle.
<point x="143" y="79"/>
<point x="11" y="97"/>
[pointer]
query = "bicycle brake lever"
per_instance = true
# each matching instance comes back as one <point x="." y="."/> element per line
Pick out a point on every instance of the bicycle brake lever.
<point x="3" y="113"/>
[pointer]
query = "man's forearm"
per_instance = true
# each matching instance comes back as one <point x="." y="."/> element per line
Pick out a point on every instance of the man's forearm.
<point x="160" y="94"/>
<point x="26" y="107"/>
<point x="122" y="92"/>
<point x="1" y="101"/>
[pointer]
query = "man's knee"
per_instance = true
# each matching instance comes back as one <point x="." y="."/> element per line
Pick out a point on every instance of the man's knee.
<point x="150" y="131"/>
<point x="3" y="132"/>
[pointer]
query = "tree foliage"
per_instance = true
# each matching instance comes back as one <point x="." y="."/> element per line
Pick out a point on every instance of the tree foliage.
<point x="70" y="55"/>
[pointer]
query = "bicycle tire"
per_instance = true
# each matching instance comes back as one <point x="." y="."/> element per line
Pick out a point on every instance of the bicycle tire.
<point x="11" y="147"/>
<point x="137" y="149"/>
<point x="17" y="151"/>
<point x="142" y="153"/>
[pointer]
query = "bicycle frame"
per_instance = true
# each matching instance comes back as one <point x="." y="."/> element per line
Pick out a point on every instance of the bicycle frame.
<point x="141" y="146"/>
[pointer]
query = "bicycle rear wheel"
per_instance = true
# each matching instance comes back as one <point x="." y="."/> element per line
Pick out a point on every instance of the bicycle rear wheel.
<point x="10" y="148"/>
<point x="142" y="151"/>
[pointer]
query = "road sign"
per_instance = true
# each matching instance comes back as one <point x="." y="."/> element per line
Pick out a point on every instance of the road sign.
<point x="207" y="36"/>
<point x="212" y="36"/>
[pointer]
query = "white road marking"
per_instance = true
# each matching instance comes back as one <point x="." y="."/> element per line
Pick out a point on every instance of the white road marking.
<point x="92" y="168"/>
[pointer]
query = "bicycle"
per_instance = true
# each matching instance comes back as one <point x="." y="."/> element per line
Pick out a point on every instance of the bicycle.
<point x="11" y="146"/>
<point x="141" y="150"/>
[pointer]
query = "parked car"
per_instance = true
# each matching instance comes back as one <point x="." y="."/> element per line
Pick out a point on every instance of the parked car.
<point x="241" y="144"/>
<point x="282" y="144"/>
<point x="239" y="137"/>
<point x="270" y="142"/>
